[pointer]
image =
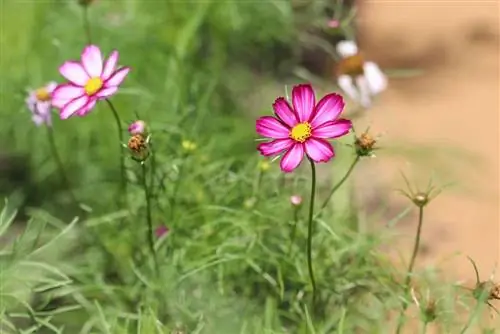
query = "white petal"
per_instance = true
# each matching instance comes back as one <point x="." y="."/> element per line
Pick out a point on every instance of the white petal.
<point x="347" y="48"/>
<point x="346" y="84"/>
<point x="376" y="79"/>
<point x="364" y="92"/>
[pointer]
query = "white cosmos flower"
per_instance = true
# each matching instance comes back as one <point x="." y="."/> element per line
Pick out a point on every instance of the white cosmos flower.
<point x="359" y="79"/>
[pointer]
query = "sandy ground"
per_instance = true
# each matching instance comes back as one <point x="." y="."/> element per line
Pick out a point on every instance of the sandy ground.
<point x="455" y="103"/>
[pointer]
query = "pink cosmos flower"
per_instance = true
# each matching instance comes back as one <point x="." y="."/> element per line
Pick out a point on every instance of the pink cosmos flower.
<point x="138" y="127"/>
<point x="39" y="103"/>
<point x="303" y="127"/>
<point x="89" y="81"/>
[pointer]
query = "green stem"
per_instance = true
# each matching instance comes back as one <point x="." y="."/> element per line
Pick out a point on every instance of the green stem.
<point x="60" y="165"/>
<point x="310" y="230"/>
<point x="173" y="198"/>
<point x="409" y="273"/>
<point x="149" y="218"/>
<point x="86" y="24"/>
<point x="294" y="228"/>
<point x="338" y="185"/>
<point x="424" y="328"/>
<point x="123" y="179"/>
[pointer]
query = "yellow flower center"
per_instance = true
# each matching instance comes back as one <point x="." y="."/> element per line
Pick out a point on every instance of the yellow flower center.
<point x="352" y="65"/>
<point x="93" y="85"/>
<point x="42" y="94"/>
<point x="301" y="132"/>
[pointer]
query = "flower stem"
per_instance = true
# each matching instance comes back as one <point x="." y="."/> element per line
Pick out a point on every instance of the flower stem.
<point x="310" y="230"/>
<point x="149" y="219"/>
<point x="86" y="24"/>
<point x="123" y="180"/>
<point x="409" y="273"/>
<point x="294" y="228"/>
<point x="60" y="165"/>
<point x="338" y="185"/>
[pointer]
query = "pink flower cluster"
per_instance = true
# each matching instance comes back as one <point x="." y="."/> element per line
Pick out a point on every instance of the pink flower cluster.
<point x="89" y="80"/>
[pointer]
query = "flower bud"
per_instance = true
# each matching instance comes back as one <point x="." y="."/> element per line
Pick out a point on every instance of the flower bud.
<point x="188" y="146"/>
<point x="296" y="200"/>
<point x="137" y="127"/>
<point x="264" y="165"/>
<point x="161" y="230"/>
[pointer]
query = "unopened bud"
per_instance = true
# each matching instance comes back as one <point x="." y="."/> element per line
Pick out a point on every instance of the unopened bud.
<point x="296" y="200"/>
<point x="188" y="146"/>
<point x="264" y="165"/>
<point x="137" y="127"/>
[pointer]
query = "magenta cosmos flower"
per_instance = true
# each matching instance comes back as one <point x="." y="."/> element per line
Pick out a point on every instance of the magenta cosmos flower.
<point x="303" y="128"/>
<point x="89" y="81"/>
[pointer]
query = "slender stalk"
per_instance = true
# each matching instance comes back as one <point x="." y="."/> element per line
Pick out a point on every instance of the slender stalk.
<point x="409" y="273"/>
<point x="424" y="328"/>
<point x="86" y="24"/>
<point x="338" y="185"/>
<point x="149" y="219"/>
<point x="60" y="165"/>
<point x="294" y="228"/>
<point x="123" y="179"/>
<point x="310" y="230"/>
<point x="173" y="198"/>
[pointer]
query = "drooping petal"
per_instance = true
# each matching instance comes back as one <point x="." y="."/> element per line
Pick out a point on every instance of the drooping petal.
<point x="74" y="72"/>
<point x="38" y="120"/>
<point x="65" y="93"/>
<point x="346" y="84"/>
<point x="73" y="107"/>
<point x="275" y="147"/>
<point x="106" y="92"/>
<point x="303" y="101"/>
<point x="376" y="79"/>
<point x="364" y="92"/>
<point x="347" y="48"/>
<point x="117" y="77"/>
<point x="328" y="109"/>
<point x="87" y="108"/>
<point x="92" y="60"/>
<point x="268" y="126"/>
<point x="31" y="101"/>
<point x="110" y="65"/>
<point x="332" y="129"/>
<point x="292" y="158"/>
<point x="319" y="150"/>
<point x="284" y="112"/>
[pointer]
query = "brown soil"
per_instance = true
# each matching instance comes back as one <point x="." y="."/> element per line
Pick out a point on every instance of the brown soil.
<point x="455" y="103"/>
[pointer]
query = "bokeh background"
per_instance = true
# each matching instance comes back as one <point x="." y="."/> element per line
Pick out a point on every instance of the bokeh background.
<point x="204" y="70"/>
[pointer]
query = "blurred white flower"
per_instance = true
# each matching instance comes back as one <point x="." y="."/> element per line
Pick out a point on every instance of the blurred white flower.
<point x="359" y="79"/>
<point x="40" y="105"/>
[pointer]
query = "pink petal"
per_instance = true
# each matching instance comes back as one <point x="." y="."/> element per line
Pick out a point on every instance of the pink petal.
<point x="117" y="77"/>
<point x="319" y="150"/>
<point x="51" y="86"/>
<point x="332" y="129"/>
<point x="303" y="101"/>
<point x="270" y="127"/>
<point x="328" y="109"/>
<point x="275" y="147"/>
<point x="74" y="72"/>
<point x="292" y="158"/>
<point x="87" y="108"/>
<point x="63" y="94"/>
<point x="92" y="61"/>
<point x="73" y="107"/>
<point x="110" y="65"/>
<point x="107" y="92"/>
<point x="284" y="112"/>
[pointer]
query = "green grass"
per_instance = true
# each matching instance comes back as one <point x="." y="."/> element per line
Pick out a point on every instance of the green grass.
<point x="201" y="71"/>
